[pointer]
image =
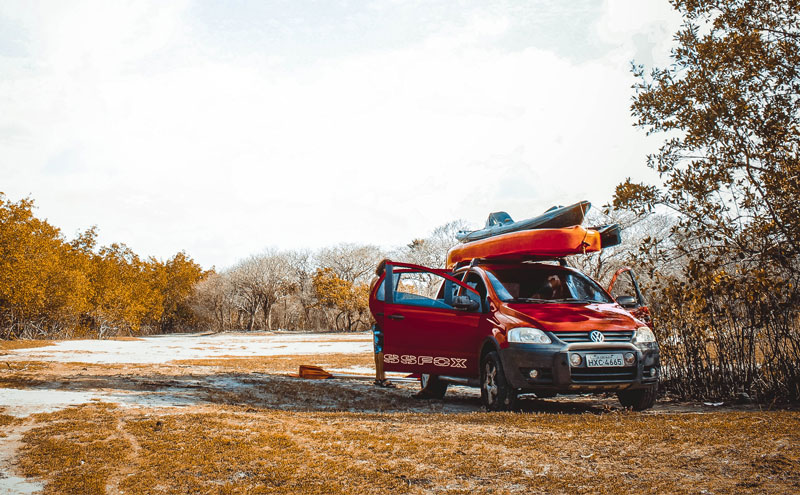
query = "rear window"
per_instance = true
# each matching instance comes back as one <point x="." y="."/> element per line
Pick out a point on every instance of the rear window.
<point x="538" y="283"/>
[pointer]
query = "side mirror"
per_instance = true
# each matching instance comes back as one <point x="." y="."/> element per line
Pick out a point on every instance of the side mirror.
<point x="627" y="301"/>
<point x="465" y="303"/>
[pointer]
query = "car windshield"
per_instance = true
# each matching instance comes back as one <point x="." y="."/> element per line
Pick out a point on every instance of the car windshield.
<point x="539" y="283"/>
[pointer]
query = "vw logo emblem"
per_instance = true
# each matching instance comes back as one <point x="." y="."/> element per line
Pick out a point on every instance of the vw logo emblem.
<point x="596" y="336"/>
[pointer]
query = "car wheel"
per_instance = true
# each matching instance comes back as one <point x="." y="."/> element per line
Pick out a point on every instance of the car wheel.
<point x="639" y="399"/>
<point x="432" y="387"/>
<point x="496" y="393"/>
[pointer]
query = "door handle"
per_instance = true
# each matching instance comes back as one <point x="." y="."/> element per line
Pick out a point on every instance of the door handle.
<point x="378" y="314"/>
<point x="396" y="317"/>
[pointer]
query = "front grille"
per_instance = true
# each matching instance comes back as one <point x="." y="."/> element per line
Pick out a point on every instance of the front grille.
<point x="610" y="336"/>
<point x="589" y="375"/>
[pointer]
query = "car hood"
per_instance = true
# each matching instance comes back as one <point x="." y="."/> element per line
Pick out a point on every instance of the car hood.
<point x="558" y="317"/>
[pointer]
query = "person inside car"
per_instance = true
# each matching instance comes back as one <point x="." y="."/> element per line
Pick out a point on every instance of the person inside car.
<point x="552" y="288"/>
<point x="556" y="287"/>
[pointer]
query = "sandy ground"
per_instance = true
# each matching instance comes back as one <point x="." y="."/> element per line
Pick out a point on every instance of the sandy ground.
<point x="88" y="400"/>
<point x="166" y="348"/>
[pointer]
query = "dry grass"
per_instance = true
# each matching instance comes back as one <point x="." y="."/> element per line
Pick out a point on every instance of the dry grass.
<point x="26" y="374"/>
<point x="22" y="374"/>
<point x="283" y="363"/>
<point x="5" y="421"/>
<point x="8" y="345"/>
<point x="100" y="449"/>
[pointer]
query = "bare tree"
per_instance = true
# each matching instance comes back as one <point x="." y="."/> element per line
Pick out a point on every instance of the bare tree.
<point x="432" y="251"/>
<point x="260" y="281"/>
<point x="213" y="302"/>
<point x="301" y="268"/>
<point x="246" y="283"/>
<point x="352" y="262"/>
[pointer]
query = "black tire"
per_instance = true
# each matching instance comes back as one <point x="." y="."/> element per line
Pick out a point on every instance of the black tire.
<point x="432" y="387"/>
<point x="639" y="399"/>
<point x="496" y="393"/>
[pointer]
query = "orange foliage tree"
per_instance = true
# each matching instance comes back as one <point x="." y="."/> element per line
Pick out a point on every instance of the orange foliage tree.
<point x="348" y="300"/>
<point x="51" y="287"/>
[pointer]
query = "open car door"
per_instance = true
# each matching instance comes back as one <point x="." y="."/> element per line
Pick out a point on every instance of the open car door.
<point x="430" y="321"/>
<point x="624" y="288"/>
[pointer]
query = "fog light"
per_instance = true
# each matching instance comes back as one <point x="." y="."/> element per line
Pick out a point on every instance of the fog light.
<point x="575" y="359"/>
<point x="630" y="358"/>
<point x="533" y="373"/>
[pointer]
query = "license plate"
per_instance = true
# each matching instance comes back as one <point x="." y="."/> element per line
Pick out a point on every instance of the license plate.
<point x="604" y="360"/>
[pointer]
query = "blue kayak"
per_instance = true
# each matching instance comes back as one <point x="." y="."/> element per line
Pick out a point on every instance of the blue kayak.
<point x="556" y="217"/>
<point x="610" y="235"/>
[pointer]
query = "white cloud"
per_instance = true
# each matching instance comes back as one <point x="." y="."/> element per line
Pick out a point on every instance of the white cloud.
<point x="642" y="30"/>
<point x="119" y="117"/>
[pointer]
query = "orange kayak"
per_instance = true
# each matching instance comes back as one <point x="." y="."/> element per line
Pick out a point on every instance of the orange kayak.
<point x="528" y="244"/>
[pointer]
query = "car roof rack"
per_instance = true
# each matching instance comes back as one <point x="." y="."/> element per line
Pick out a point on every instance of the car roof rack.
<point x="562" y="261"/>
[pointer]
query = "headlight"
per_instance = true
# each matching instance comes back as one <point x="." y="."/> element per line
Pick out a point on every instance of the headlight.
<point x="642" y="335"/>
<point x="528" y="336"/>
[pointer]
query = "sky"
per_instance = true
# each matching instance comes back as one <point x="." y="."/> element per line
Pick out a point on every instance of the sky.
<point x="225" y="128"/>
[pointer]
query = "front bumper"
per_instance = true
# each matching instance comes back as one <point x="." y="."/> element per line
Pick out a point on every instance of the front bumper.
<point x="556" y="374"/>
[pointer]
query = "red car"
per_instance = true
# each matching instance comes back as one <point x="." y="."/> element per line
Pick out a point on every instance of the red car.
<point x="514" y="327"/>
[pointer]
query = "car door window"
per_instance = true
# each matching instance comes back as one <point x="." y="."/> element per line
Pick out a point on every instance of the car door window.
<point x="380" y="294"/>
<point x="419" y="286"/>
<point x="421" y="289"/>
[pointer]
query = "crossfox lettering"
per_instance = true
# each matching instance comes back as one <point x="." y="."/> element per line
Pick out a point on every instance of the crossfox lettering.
<point x="443" y="362"/>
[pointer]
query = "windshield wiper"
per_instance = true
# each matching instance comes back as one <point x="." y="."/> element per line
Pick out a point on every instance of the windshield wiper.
<point x="529" y="299"/>
<point x="573" y="299"/>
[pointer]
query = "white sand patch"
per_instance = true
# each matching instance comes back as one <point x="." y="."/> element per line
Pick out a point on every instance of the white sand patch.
<point x="24" y="402"/>
<point x="153" y="399"/>
<point x="21" y="403"/>
<point x="354" y="370"/>
<point x="165" y="348"/>
<point x="9" y="483"/>
<point x="18" y="486"/>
